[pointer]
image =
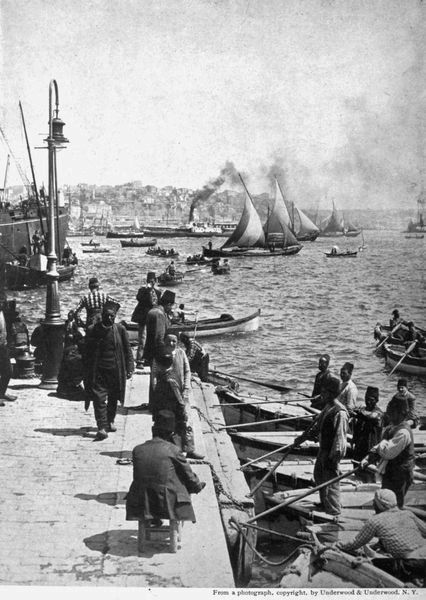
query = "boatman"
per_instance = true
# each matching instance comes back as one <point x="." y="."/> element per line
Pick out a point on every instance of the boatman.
<point x="321" y="378"/>
<point x="348" y="390"/>
<point x="402" y="396"/>
<point x="148" y="297"/>
<point x="395" y="453"/>
<point x="94" y="302"/>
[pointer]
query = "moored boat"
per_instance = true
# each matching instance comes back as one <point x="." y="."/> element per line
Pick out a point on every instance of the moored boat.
<point x="18" y="277"/>
<point x="137" y="243"/>
<point x="207" y="327"/>
<point x="414" y="364"/>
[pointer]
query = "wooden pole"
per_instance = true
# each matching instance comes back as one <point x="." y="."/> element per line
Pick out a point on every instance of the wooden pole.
<point x="269" y="384"/>
<point x="289" y="501"/>
<point x="255" y="460"/>
<point x="409" y="349"/>
<point x="388" y="336"/>
<point x="240" y="425"/>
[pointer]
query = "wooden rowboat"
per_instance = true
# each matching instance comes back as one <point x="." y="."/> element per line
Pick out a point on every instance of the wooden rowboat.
<point x="165" y="279"/>
<point x="18" y="277"/>
<point x="137" y="243"/>
<point x="92" y="244"/>
<point x="207" y="327"/>
<point x="324" y="568"/>
<point x="347" y="254"/>
<point x="412" y="364"/>
<point x="96" y="250"/>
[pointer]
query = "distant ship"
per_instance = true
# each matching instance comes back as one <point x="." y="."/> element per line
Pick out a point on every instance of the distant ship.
<point x="419" y="225"/>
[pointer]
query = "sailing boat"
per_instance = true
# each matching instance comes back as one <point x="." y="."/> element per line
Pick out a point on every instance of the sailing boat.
<point x="251" y="239"/>
<point x="300" y="224"/>
<point x="333" y="226"/>
<point x="419" y="225"/>
<point x="350" y="230"/>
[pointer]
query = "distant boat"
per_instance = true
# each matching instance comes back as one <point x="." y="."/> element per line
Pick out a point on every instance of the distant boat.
<point x="251" y="239"/>
<point x="137" y="243"/>
<point x="332" y="226"/>
<point x="299" y="224"/>
<point x="414" y="236"/>
<point x="124" y="234"/>
<point x="338" y="254"/>
<point x="96" y="250"/>
<point x="18" y="277"/>
<point x="419" y="225"/>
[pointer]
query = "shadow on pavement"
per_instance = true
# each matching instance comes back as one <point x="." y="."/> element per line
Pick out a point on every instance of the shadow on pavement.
<point x="24" y="386"/>
<point x="118" y="454"/>
<point x="123" y="542"/>
<point x="68" y="431"/>
<point x="110" y="498"/>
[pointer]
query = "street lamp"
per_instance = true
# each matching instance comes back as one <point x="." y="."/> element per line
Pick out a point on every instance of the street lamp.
<point x="53" y="326"/>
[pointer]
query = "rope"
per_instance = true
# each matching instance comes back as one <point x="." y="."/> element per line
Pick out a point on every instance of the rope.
<point x="271" y="563"/>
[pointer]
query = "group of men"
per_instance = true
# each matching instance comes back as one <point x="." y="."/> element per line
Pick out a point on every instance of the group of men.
<point x="382" y="438"/>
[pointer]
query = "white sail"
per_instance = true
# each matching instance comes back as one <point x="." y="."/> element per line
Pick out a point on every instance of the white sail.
<point x="249" y="231"/>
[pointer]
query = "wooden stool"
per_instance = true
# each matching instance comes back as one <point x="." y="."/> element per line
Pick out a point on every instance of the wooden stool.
<point x="172" y="531"/>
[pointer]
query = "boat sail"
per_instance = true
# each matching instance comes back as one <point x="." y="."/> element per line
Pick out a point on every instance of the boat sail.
<point x="350" y="230"/>
<point x="332" y="226"/>
<point x="300" y="224"/>
<point x="419" y="225"/>
<point x="251" y="239"/>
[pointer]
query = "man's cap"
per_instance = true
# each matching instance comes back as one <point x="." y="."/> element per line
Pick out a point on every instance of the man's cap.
<point x="150" y="275"/>
<point x="385" y="499"/>
<point x="93" y="281"/>
<point x="111" y="305"/>
<point x="332" y="386"/>
<point x="348" y="367"/>
<point x="372" y="392"/>
<point x="168" y="297"/>
<point x="165" y="420"/>
<point x="402" y="382"/>
<point x="326" y="357"/>
<point x="395" y="312"/>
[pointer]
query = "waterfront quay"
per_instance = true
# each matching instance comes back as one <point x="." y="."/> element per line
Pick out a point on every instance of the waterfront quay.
<point x="63" y="500"/>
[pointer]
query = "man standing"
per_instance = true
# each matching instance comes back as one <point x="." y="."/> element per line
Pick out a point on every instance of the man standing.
<point x="162" y="478"/>
<point x="402" y="396"/>
<point x="158" y="321"/>
<point x="396" y="453"/>
<point x="148" y="297"/>
<point x="333" y="428"/>
<point x="94" y="302"/>
<point x="197" y="357"/>
<point x="348" y="390"/>
<point x="321" y="378"/>
<point x="5" y="365"/>
<point x="367" y="424"/>
<point x="108" y="360"/>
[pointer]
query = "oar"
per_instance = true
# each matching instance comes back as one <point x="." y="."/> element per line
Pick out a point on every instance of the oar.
<point x="271" y="471"/>
<point x="241" y="425"/>
<point x="196" y="325"/>
<point x="255" y="460"/>
<point x="388" y="336"/>
<point x="409" y="349"/>
<point x="289" y="501"/>
<point x="269" y="384"/>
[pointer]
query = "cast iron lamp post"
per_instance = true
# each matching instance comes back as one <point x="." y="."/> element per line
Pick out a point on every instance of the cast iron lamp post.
<point x="53" y="326"/>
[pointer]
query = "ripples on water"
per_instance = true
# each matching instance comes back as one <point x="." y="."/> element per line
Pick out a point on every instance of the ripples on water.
<point x="310" y="304"/>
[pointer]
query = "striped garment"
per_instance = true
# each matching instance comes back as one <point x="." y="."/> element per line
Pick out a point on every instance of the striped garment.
<point x="93" y="302"/>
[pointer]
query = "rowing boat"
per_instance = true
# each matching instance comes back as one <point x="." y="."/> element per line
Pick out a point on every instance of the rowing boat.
<point x="96" y="250"/>
<point x="137" y="243"/>
<point x="207" y="327"/>
<point x="311" y="567"/>
<point x="347" y="254"/>
<point x="407" y="363"/>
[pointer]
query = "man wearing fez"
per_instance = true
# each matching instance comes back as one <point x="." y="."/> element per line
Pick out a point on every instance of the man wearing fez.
<point x="367" y="429"/>
<point x="320" y="379"/>
<point x="108" y="361"/>
<point x="395" y="452"/>
<point x="400" y="398"/>
<point x="148" y="297"/>
<point x="5" y="364"/>
<point x="348" y="390"/>
<point x="162" y="478"/>
<point x="94" y="302"/>
<point x="332" y="427"/>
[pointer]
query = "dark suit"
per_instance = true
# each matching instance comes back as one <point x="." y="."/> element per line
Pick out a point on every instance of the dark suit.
<point x="157" y="324"/>
<point x="162" y="483"/>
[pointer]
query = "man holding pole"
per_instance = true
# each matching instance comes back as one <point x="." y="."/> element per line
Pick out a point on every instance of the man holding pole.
<point x="332" y="425"/>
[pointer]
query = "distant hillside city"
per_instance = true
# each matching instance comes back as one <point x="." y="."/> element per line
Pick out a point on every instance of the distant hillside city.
<point x="117" y="206"/>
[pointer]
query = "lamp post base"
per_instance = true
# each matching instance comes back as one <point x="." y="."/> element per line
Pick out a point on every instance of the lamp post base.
<point x="54" y="335"/>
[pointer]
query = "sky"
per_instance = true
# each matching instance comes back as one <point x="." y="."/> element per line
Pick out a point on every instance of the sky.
<point x="328" y="95"/>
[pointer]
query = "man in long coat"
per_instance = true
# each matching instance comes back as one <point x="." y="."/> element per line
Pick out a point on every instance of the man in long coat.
<point x="162" y="478"/>
<point x="148" y="297"/>
<point x="108" y="361"/>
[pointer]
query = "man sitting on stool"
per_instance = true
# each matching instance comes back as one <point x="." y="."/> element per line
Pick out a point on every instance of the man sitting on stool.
<point x="162" y="478"/>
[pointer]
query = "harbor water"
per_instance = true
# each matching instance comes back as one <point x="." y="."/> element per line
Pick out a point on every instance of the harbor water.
<point x="310" y="304"/>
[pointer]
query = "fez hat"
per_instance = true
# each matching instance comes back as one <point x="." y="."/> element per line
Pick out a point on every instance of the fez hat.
<point x="165" y="420"/>
<point x="385" y="499"/>
<point x="326" y="357"/>
<point x="93" y="281"/>
<point x="395" y="312"/>
<point x="332" y="386"/>
<point x="398" y="405"/>
<point x="111" y="305"/>
<point x="168" y="297"/>
<point x="402" y="382"/>
<point x="150" y="275"/>
<point x="348" y="367"/>
<point x="372" y="392"/>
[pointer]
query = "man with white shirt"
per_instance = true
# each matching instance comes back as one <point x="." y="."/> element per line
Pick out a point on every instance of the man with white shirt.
<point x="348" y="390"/>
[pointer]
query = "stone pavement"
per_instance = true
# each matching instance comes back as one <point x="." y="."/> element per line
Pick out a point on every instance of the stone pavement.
<point x="62" y="514"/>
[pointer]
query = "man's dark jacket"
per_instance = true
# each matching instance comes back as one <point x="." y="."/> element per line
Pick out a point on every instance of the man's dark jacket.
<point x="162" y="483"/>
<point x="123" y="355"/>
<point x="147" y="297"/>
<point x="157" y="324"/>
